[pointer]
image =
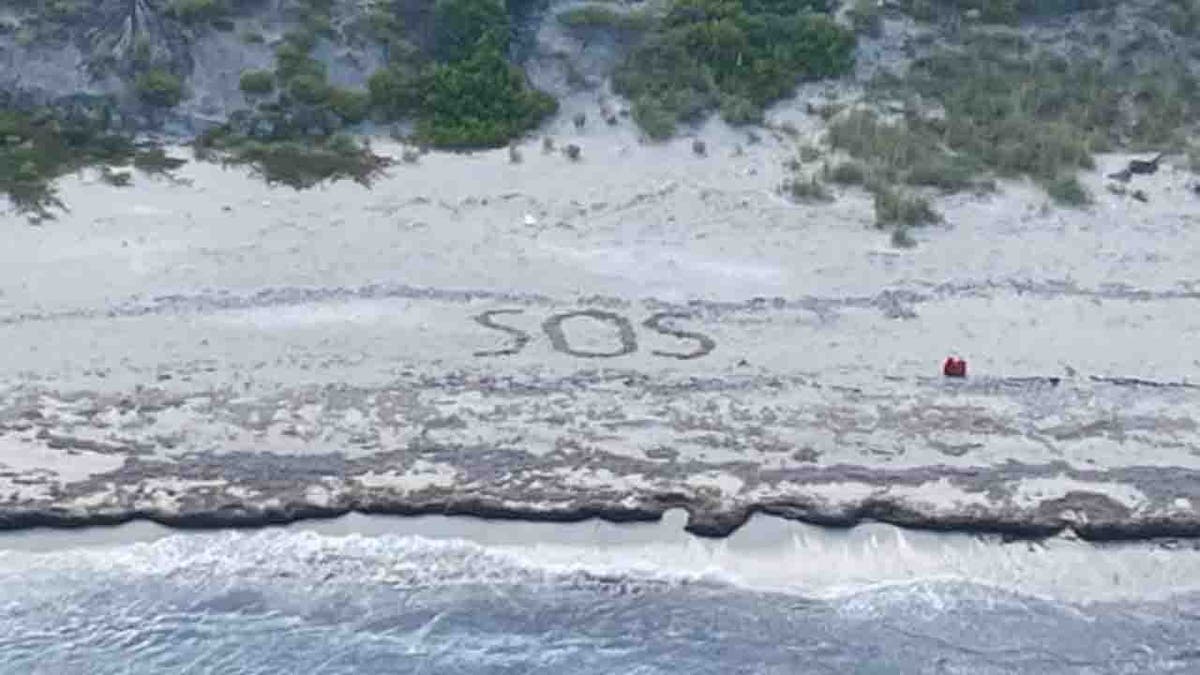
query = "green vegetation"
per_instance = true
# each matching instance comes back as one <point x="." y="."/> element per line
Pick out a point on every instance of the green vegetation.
<point x="896" y="208"/>
<point x="847" y="173"/>
<point x="480" y="101"/>
<point x="155" y="161"/>
<point x="37" y="148"/>
<point x="472" y="96"/>
<point x="291" y="137"/>
<point x="309" y="88"/>
<point x="1009" y="110"/>
<point x="257" y="82"/>
<point x="809" y="190"/>
<point x="1067" y="190"/>
<point x="867" y="17"/>
<point x="469" y="95"/>
<point x="194" y="12"/>
<point x="908" y="152"/>
<point x="462" y="26"/>
<point x="997" y="11"/>
<point x="159" y="87"/>
<point x="395" y="91"/>
<point x="298" y="164"/>
<point x="1183" y="17"/>
<point x="599" y="16"/>
<point x="350" y="105"/>
<point x="724" y="54"/>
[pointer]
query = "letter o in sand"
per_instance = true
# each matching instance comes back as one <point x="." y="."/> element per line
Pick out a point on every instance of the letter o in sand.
<point x="554" y="331"/>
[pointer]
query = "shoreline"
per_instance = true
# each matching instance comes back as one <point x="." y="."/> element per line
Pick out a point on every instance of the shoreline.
<point x="769" y="554"/>
<point x="716" y="524"/>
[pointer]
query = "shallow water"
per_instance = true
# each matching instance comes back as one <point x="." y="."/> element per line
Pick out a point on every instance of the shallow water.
<point x="467" y="596"/>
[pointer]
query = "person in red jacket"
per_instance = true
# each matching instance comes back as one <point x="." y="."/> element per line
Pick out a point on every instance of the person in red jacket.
<point x="954" y="367"/>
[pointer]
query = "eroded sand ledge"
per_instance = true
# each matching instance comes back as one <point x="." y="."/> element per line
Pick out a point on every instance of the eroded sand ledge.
<point x="640" y="331"/>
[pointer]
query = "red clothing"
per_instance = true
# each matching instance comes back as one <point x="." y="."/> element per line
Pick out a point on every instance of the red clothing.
<point x="954" y="367"/>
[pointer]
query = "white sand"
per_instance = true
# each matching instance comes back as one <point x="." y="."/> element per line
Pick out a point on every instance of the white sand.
<point x="337" y="323"/>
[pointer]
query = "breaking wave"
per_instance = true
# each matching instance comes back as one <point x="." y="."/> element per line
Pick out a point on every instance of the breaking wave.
<point x="269" y="601"/>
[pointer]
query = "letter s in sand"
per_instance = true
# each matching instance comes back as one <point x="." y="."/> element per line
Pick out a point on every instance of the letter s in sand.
<point x="520" y="337"/>
<point x="655" y="323"/>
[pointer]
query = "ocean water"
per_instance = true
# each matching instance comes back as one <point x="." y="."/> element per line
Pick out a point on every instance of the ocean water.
<point x="784" y="599"/>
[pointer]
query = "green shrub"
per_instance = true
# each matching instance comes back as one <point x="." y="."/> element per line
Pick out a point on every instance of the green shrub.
<point x="867" y="17"/>
<point x="848" y="173"/>
<point x="1016" y="112"/>
<point x="292" y="57"/>
<point x="599" y="16"/>
<point x="1067" y="190"/>
<point x="948" y="173"/>
<point x="350" y="105"/>
<point x="161" y="88"/>
<point x="807" y="190"/>
<point x="156" y="161"/>
<point x="257" y="82"/>
<point x="784" y="7"/>
<point x="1183" y="17"/>
<point x="34" y="150"/>
<point x="296" y="164"/>
<point x="710" y="53"/>
<point x="198" y="11"/>
<point x="309" y="88"/>
<point x="461" y="25"/>
<point x="663" y="79"/>
<point x="480" y="101"/>
<point x="653" y="118"/>
<point x="893" y="208"/>
<point x="999" y="11"/>
<point x="909" y="152"/>
<point x="1041" y="115"/>
<point x="738" y="110"/>
<point x="395" y="90"/>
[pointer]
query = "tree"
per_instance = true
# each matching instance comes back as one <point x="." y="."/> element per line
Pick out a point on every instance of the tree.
<point x="161" y="88"/>
<point x="461" y="25"/>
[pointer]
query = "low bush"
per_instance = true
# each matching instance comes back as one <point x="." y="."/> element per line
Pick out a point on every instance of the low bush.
<point x="350" y="105"/>
<point x="257" y="82"/>
<point x="156" y="161"/>
<point x="395" y="91"/>
<point x="715" y="53"/>
<point x="998" y="11"/>
<point x="599" y="16"/>
<point x="806" y="190"/>
<point x="480" y="101"/>
<point x="1068" y="191"/>
<point x="867" y="17"/>
<point x="159" y="88"/>
<point x="1017" y="112"/>
<point x="309" y="88"/>
<point x="296" y="164"/>
<point x="848" y="173"/>
<point x="36" y="149"/>
<point x="460" y="26"/>
<point x="896" y="208"/>
<point x="198" y="11"/>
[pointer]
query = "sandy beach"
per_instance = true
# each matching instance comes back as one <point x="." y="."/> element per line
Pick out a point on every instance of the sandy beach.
<point x="641" y="330"/>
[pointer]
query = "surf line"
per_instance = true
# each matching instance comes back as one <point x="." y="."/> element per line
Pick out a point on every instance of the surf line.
<point x="625" y="333"/>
